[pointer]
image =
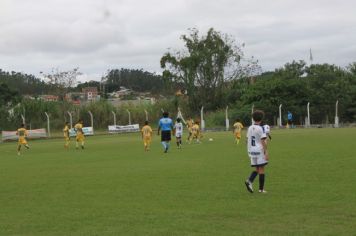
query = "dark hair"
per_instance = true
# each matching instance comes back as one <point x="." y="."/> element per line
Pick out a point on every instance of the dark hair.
<point x="22" y="125"/>
<point x="67" y="123"/>
<point x="146" y="122"/>
<point x="238" y="120"/>
<point x="178" y="119"/>
<point x="258" y="115"/>
<point x="165" y="114"/>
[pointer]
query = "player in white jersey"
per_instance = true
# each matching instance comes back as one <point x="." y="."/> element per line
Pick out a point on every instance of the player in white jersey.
<point x="257" y="151"/>
<point x="178" y="127"/>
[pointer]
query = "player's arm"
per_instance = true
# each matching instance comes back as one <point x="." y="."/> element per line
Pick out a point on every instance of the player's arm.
<point x="159" y="128"/>
<point x="173" y="129"/>
<point x="264" y="145"/>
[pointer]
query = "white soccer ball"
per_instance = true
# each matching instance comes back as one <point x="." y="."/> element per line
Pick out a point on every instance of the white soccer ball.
<point x="210" y="139"/>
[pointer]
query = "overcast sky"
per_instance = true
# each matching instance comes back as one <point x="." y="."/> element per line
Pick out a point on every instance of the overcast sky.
<point x="94" y="35"/>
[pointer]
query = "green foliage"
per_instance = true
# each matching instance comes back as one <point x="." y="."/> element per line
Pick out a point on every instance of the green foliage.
<point x="25" y="84"/>
<point x="205" y="66"/>
<point x="137" y="80"/>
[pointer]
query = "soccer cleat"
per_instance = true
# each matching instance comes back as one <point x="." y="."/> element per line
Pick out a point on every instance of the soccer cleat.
<point x="82" y="147"/>
<point x="249" y="186"/>
<point x="262" y="191"/>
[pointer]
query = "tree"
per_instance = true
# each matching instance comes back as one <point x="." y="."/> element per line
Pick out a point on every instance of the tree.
<point x="63" y="80"/>
<point x="8" y="99"/>
<point x="206" y="64"/>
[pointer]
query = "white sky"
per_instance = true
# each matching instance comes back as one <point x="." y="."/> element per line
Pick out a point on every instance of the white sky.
<point x="94" y="35"/>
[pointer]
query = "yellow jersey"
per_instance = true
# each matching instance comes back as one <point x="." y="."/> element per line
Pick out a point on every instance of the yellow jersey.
<point x="146" y="131"/>
<point x="66" y="131"/>
<point x="190" y="124"/>
<point x="79" y="128"/>
<point x="80" y="135"/>
<point x="238" y="127"/>
<point x="22" y="133"/>
<point x="195" y="129"/>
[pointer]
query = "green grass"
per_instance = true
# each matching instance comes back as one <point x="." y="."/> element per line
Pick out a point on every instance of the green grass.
<point x="114" y="188"/>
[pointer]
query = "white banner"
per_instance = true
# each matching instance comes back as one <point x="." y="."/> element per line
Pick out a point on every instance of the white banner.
<point x="32" y="134"/>
<point x="123" y="128"/>
<point x="86" y="131"/>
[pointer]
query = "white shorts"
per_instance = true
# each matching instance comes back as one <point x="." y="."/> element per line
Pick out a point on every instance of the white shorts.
<point x="257" y="159"/>
<point x="178" y="135"/>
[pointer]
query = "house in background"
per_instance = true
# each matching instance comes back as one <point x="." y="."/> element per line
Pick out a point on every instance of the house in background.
<point x="49" y="98"/>
<point x="91" y="93"/>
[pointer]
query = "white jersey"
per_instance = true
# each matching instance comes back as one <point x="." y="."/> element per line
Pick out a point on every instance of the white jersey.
<point x="179" y="129"/>
<point x="255" y="136"/>
<point x="267" y="129"/>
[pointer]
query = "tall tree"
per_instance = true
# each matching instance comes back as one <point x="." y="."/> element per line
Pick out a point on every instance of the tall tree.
<point x="63" y="80"/>
<point x="205" y="66"/>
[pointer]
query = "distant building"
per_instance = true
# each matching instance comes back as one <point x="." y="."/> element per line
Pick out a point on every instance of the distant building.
<point x="90" y="93"/>
<point x="49" y="98"/>
<point x="121" y="93"/>
<point x="74" y="96"/>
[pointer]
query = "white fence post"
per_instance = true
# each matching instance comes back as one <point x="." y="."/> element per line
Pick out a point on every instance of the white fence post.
<point x="23" y="119"/>
<point x="227" y="122"/>
<point x="91" y="120"/>
<point x="146" y="113"/>
<point x="114" y="115"/>
<point x="336" y="114"/>
<point x="280" y="116"/>
<point x="308" y="113"/>
<point x="129" y="116"/>
<point x="48" y="125"/>
<point x="202" y="127"/>
<point x="70" y="119"/>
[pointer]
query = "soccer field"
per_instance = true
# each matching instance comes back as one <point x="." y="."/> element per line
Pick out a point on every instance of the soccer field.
<point x="114" y="188"/>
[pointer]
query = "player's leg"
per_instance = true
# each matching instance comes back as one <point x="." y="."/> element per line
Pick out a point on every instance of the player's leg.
<point x="179" y="141"/>
<point x="261" y="173"/>
<point x="252" y="176"/>
<point x="19" y="149"/>
<point x="145" y="144"/>
<point x="66" y="144"/>
<point x="148" y="144"/>
<point x="238" y="137"/>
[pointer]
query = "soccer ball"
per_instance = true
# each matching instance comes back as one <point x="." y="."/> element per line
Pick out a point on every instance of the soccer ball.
<point x="210" y="139"/>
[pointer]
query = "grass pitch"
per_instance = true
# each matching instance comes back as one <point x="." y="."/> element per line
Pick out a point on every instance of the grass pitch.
<point x="114" y="188"/>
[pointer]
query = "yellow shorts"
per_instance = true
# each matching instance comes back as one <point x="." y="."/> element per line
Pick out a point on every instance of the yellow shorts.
<point x="66" y="138"/>
<point x="80" y="138"/>
<point x="146" y="141"/>
<point x="238" y="135"/>
<point x="22" y="140"/>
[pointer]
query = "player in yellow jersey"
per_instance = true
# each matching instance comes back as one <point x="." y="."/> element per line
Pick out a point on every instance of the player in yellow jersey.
<point x="80" y="134"/>
<point x="190" y="124"/>
<point x="22" y="133"/>
<point x="195" y="132"/>
<point x="146" y="132"/>
<point x="237" y="130"/>
<point x="66" y="135"/>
